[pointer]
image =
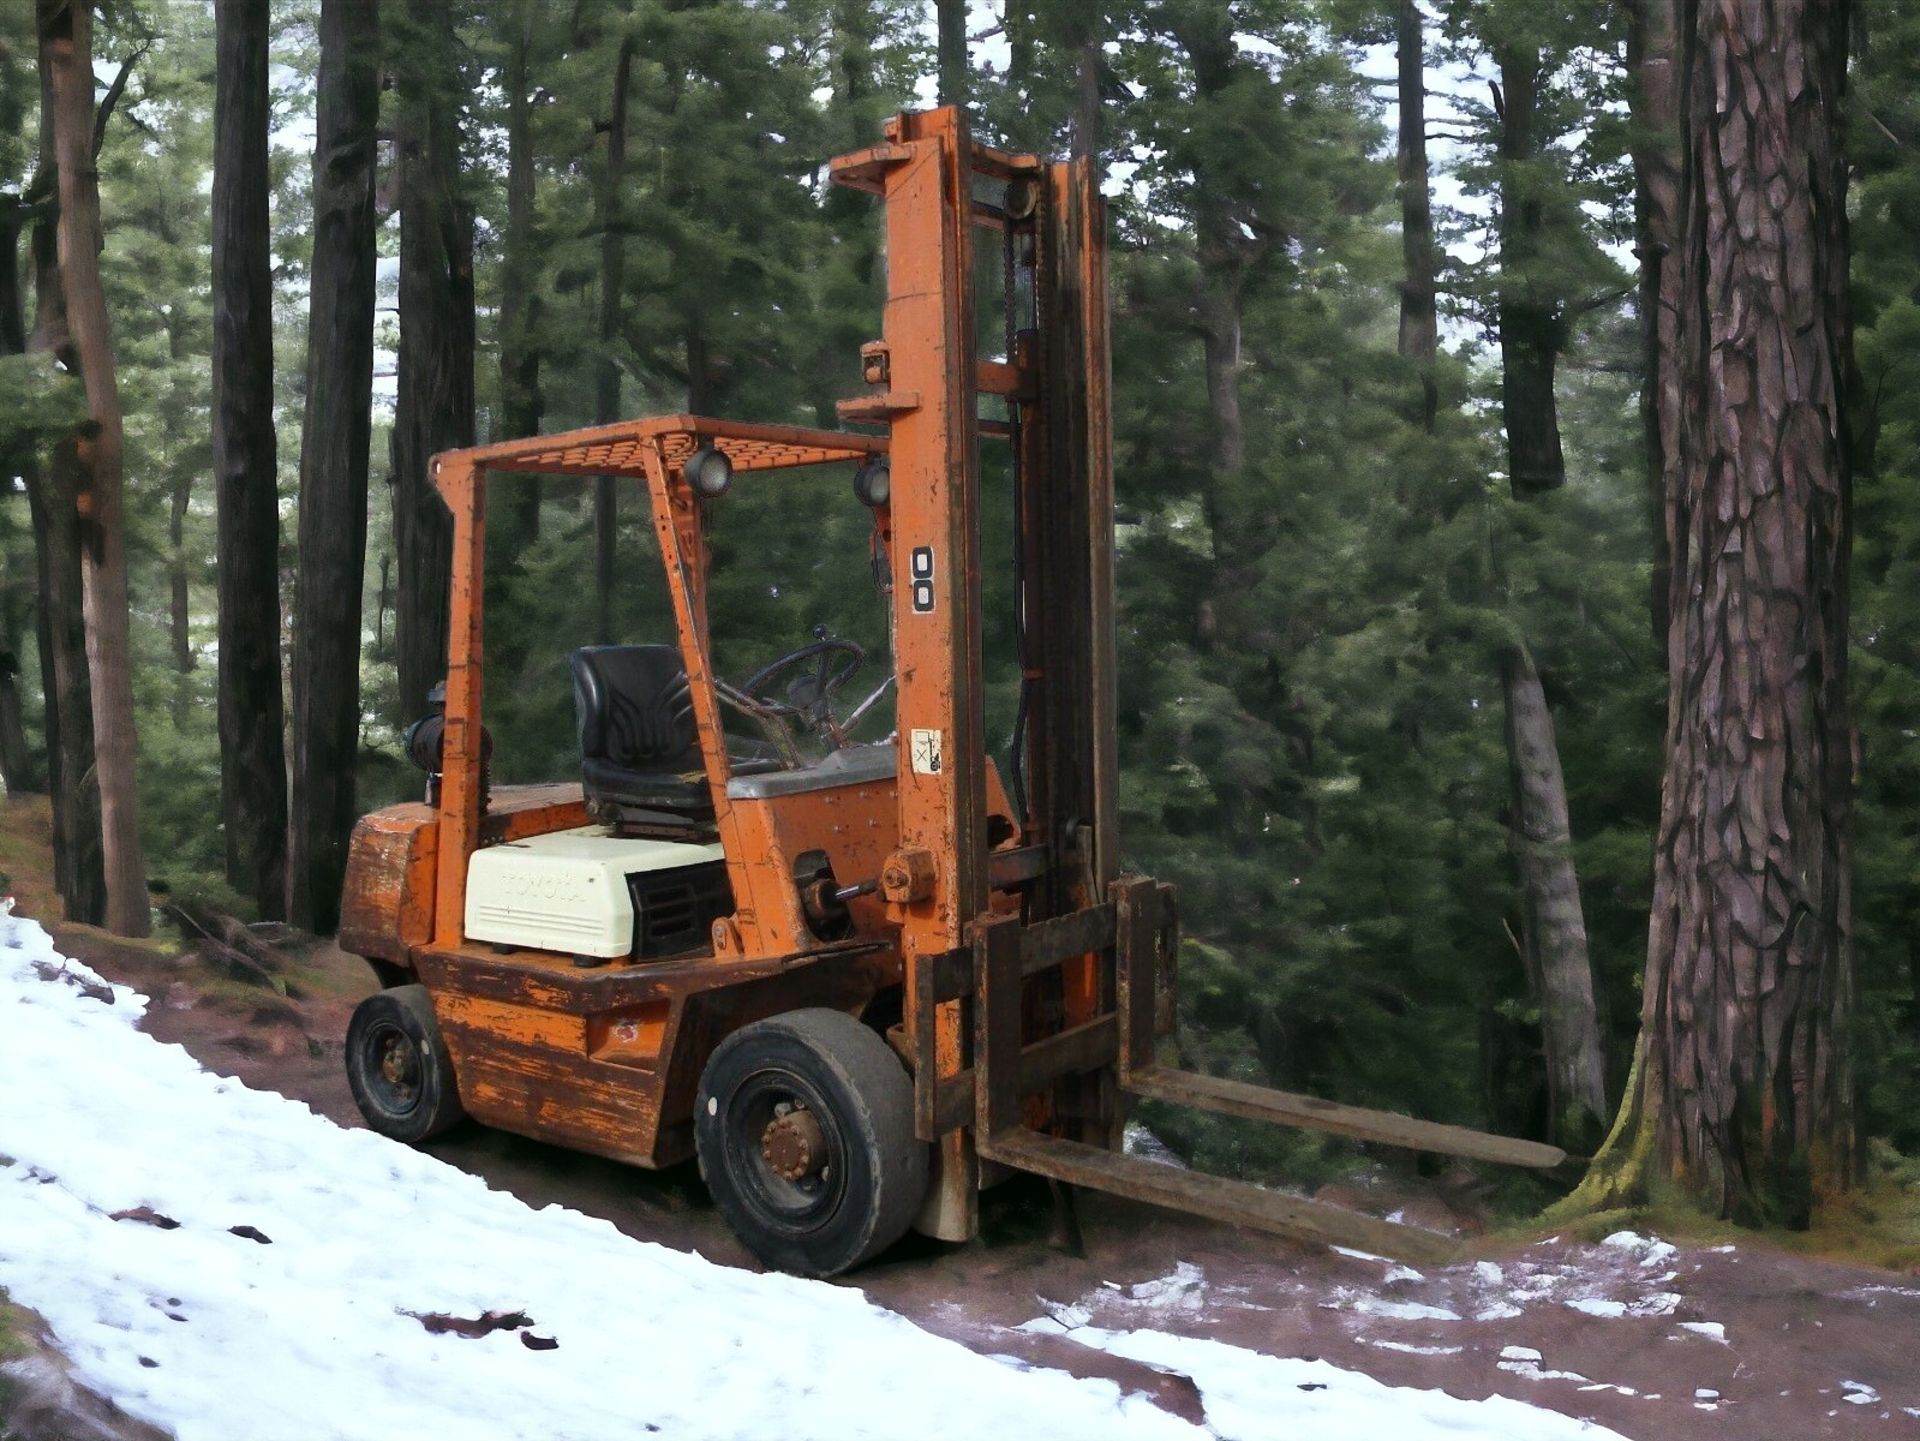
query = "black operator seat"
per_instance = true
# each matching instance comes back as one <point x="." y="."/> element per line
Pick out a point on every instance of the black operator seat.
<point x="640" y="762"/>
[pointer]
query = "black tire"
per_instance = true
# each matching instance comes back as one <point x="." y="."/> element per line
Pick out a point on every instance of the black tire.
<point x="398" y="1066"/>
<point x="870" y="1174"/>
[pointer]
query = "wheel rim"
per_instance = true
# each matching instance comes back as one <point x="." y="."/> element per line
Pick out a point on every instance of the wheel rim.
<point x="788" y="1151"/>
<point x="394" y="1068"/>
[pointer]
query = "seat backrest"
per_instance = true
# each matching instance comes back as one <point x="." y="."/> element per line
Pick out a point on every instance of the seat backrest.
<point x="635" y="707"/>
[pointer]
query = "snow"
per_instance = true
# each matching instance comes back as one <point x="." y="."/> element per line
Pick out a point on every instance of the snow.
<point x="309" y="1327"/>
<point x="1650" y="1250"/>
<point x="1247" y="1393"/>
<point x="1411" y="1349"/>
<point x="308" y="1336"/>
<point x="1596" y="1306"/>
<point x="1712" y="1330"/>
<point x="1859" y="1393"/>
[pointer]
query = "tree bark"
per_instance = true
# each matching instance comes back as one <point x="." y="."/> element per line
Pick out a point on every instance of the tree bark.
<point x="434" y="405"/>
<point x="179" y="599"/>
<point x="334" y="441"/>
<point x="52" y="504"/>
<point x="65" y="32"/>
<point x="513" y="520"/>
<point x="1419" y="318"/>
<point x="1743" y="1091"/>
<point x="17" y="766"/>
<point x="950" y="20"/>
<point x="606" y="390"/>
<point x="18" y="774"/>
<point x="1553" y="928"/>
<point x="1654" y="66"/>
<point x="79" y="871"/>
<point x="253" y="765"/>
<point x="1529" y="319"/>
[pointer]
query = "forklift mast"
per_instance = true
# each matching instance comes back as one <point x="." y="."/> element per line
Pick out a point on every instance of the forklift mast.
<point x="949" y="203"/>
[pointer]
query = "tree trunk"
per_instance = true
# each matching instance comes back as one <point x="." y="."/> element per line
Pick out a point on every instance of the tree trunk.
<point x="179" y="601"/>
<point x="66" y="59"/>
<point x="950" y="19"/>
<point x="17" y="766"/>
<point x="1553" y="929"/>
<point x="79" y="872"/>
<point x="513" y="518"/>
<point x="334" y="441"/>
<point x="433" y="409"/>
<point x="1530" y="326"/>
<point x="606" y="389"/>
<point x="1743" y="1089"/>
<point x="253" y="768"/>
<point x="52" y="504"/>
<point x="1419" y="319"/>
<point x="1655" y="96"/>
<point x="18" y="774"/>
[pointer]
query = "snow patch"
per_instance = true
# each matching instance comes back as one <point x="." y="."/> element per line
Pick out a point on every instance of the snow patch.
<point x="1411" y="1349"/>
<point x="1184" y="1289"/>
<point x="1359" y="1255"/>
<point x="1345" y="1299"/>
<point x="1859" y="1393"/>
<point x="1650" y="1249"/>
<point x="1252" y="1397"/>
<point x="309" y="1336"/>
<point x="1597" y="1306"/>
<point x="1712" y="1330"/>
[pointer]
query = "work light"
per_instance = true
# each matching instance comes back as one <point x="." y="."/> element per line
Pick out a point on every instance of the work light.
<point x="708" y="471"/>
<point x="873" y="482"/>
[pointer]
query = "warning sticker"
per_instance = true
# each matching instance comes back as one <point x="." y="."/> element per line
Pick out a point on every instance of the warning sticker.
<point x="926" y="752"/>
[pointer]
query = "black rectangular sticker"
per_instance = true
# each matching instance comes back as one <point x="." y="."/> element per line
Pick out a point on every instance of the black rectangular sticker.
<point x="920" y="568"/>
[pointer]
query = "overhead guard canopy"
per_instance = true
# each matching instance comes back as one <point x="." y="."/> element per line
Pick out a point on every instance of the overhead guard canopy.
<point x="620" y="449"/>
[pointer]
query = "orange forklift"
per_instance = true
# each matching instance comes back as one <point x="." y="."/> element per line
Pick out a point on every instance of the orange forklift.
<point x="857" y="980"/>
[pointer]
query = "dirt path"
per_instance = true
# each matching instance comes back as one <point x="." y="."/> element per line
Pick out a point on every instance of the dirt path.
<point x="1649" y="1340"/>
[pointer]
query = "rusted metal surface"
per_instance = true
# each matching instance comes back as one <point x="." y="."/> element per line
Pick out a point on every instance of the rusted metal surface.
<point x="462" y="763"/>
<point x="1137" y="958"/>
<point x="925" y="175"/>
<point x="793" y="1145"/>
<point x="1257" y="1103"/>
<point x="386" y="909"/>
<point x="608" y="1061"/>
<point x="1072" y="937"/>
<point x="996" y="1019"/>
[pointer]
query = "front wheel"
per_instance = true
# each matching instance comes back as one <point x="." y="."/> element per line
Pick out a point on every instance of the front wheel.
<point x="804" y="1128"/>
<point x="398" y="1066"/>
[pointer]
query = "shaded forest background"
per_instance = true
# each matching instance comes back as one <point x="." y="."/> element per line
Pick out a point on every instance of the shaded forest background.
<point x="1387" y="527"/>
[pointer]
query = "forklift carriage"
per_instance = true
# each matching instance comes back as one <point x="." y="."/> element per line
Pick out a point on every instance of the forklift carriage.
<point x="856" y="988"/>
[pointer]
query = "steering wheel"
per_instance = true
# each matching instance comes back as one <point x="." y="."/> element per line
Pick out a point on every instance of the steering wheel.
<point x="809" y="697"/>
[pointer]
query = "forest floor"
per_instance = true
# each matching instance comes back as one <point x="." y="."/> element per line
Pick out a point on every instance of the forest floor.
<point x="1645" y="1338"/>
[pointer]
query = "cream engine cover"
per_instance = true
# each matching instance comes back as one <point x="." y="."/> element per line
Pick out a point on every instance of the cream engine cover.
<point x="566" y="891"/>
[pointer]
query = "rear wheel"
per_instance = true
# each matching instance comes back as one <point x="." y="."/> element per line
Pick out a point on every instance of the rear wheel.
<point x="804" y="1127"/>
<point x="398" y="1066"/>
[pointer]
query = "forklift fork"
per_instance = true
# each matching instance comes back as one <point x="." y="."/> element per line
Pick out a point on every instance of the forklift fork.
<point x="1132" y="938"/>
